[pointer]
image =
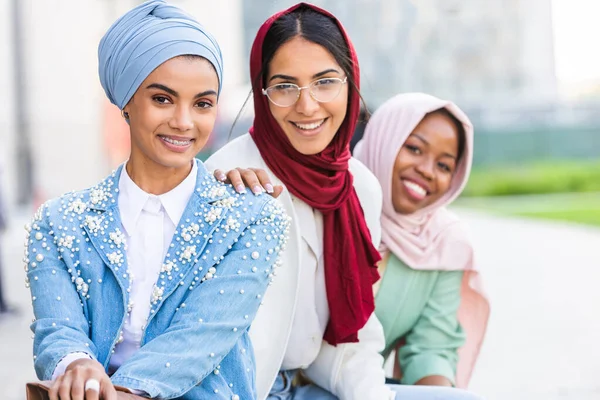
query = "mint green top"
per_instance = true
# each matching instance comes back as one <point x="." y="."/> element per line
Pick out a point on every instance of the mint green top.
<point x="421" y="307"/>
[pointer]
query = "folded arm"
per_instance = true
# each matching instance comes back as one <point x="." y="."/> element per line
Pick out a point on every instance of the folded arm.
<point x="216" y="313"/>
<point x="430" y="354"/>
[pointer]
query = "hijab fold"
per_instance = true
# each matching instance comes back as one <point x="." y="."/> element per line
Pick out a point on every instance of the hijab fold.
<point x="432" y="238"/>
<point x="324" y="182"/>
<point x="144" y="38"/>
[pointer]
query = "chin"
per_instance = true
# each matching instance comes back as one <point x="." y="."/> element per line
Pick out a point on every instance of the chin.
<point x="309" y="151"/>
<point x="309" y="148"/>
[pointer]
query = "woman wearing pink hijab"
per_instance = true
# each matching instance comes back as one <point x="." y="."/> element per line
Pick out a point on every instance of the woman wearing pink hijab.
<point x="429" y="301"/>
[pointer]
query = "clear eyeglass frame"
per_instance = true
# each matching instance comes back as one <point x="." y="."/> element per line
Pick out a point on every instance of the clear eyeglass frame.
<point x="267" y="92"/>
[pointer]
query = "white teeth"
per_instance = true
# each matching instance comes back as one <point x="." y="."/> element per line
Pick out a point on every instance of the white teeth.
<point x="309" y="127"/>
<point x="415" y="188"/>
<point x="176" y="142"/>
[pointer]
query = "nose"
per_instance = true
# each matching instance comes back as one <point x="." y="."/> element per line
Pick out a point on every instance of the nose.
<point x="181" y="119"/>
<point x="306" y="104"/>
<point x="426" y="168"/>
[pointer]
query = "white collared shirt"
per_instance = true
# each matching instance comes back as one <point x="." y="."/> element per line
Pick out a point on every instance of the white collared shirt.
<point x="146" y="252"/>
<point x="145" y="255"/>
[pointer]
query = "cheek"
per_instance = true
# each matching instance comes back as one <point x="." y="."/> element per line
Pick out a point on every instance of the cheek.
<point x="206" y="122"/>
<point x="403" y="161"/>
<point x="147" y="121"/>
<point x="340" y="107"/>
<point x="277" y="112"/>
<point x="445" y="182"/>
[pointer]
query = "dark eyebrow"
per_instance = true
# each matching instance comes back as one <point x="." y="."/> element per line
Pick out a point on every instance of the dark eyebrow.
<point x="327" y="71"/>
<point x="206" y="93"/>
<point x="174" y="93"/>
<point x="449" y="155"/>
<point x="284" y="77"/>
<point x="315" y="76"/>
<point x="162" y="87"/>
<point x="427" y="143"/>
<point x="421" y="138"/>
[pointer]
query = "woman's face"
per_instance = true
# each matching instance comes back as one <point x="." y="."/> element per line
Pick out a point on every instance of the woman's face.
<point x="173" y="112"/>
<point x="425" y="164"/>
<point x="309" y="125"/>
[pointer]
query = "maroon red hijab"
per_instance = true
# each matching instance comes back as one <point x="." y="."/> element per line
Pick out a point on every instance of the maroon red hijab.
<point x="324" y="182"/>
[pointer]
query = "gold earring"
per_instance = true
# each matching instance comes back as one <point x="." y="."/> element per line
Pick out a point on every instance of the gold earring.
<point x="124" y="114"/>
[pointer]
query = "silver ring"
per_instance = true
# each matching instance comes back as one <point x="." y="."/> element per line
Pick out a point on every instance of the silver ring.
<point x="92" y="384"/>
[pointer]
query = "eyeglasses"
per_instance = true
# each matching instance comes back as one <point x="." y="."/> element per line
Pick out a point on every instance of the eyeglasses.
<point x="322" y="90"/>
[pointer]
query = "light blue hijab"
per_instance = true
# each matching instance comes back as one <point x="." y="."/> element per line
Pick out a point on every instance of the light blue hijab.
<point x="144" y="38"/>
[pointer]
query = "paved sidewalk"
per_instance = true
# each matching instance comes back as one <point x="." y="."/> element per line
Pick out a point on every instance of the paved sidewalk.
<point x="543" y="279"/>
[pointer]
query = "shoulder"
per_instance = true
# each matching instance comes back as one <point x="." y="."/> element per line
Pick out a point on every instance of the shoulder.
<point x="72" y="209"/>
<point x="370" y="196"/>
<point x="240" y="152"/>
<point x="365" y="182"/>
<point x="455" y="239"/>
<point x="247" y="207"/>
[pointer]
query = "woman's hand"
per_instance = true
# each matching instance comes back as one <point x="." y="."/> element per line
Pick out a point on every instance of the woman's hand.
<point x="256" y="179"/>
<point x="71" y="385"/>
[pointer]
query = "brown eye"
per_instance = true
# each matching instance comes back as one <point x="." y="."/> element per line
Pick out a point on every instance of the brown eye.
<point x="161" y="99"/>
<point x="204" y="104"/>
<point x="445" y="167"/>
<point x="413" y="149"/>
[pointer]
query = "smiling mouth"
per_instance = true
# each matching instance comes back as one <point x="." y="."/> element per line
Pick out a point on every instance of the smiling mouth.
<point x="415" y="190"/>
<point x="309" y="127"/>
<point x="176" y="142"/>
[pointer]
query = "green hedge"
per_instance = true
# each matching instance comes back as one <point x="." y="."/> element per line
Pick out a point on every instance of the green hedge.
<point x="536" y="178"/>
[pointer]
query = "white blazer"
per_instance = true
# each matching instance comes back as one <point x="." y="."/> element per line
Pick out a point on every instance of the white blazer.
<point x="351" y="371"/>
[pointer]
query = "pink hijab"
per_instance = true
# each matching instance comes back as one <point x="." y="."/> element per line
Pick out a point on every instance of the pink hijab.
<point x="432" y="238"/>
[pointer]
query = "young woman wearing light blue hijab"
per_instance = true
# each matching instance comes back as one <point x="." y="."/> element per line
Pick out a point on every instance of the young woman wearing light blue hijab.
<point x="150" y="279"/>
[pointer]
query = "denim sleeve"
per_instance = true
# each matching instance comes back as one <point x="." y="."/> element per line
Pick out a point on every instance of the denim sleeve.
<point x="60" y="326"/>
<point x="432" y="345"/>
<point x="213" y="318"/>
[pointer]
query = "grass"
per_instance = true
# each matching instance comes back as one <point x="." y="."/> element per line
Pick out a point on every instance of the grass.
<point x="581" y="208"/>
<point x="555" y="190"/>
<point x="536" y="178"/>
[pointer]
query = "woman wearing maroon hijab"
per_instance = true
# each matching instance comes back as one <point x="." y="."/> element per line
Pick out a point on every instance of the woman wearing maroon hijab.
<point x="317" y="319"/>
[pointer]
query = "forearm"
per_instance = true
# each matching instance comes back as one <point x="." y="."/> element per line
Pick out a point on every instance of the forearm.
<point x="434" y="380"/>
<point x="217" y="314"/>
<point x="60" y="327"/>
<point x="431" y="348"/>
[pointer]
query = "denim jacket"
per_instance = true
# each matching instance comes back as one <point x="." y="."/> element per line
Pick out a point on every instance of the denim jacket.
<point x="195" y="344"/>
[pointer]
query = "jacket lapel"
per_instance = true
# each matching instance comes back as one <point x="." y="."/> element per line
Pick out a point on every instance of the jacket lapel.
<point x="102" y="223"/>
<point x="308" y="227"/>
<point x="205" y="212"/>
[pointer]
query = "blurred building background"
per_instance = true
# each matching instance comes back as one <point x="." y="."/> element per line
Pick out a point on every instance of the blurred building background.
<point x="527" y="72"/>
<point x="477" y="53"/>
<point x="496" y="59"/>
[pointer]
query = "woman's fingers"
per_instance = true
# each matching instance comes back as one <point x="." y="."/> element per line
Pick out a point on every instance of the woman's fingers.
<point x="220" y="175"/>
<point x="258" y="180"/>
<point x="277" y="190"/>
<point x="264" y="179"/>
<point x="91" y="393"/>
<point x="64" y="390"/>
<point x="235" y="177"/>
<point x="84" y="379"/>
<point x="53" y="392"/>
<point x="251" y="180"/>
<point x="78" y="378"/>
<point x="108" y="391"/>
